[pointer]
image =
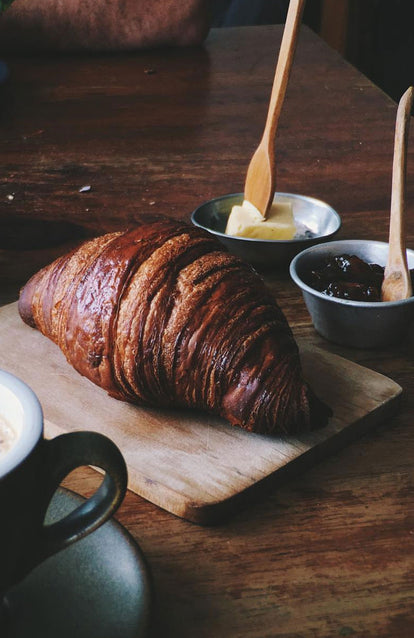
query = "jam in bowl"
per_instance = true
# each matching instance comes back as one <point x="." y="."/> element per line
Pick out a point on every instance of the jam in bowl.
<point x="341" y="286"/>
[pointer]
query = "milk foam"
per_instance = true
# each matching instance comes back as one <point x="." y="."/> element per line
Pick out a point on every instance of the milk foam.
<point x="8" y="435"/>
<point x="20" y="410"/>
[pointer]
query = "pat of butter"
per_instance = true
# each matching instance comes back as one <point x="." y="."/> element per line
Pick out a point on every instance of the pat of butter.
<point x="246" y="221"/>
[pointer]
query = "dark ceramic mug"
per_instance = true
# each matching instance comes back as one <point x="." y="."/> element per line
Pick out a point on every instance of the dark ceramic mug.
<point x="31" y="469"/>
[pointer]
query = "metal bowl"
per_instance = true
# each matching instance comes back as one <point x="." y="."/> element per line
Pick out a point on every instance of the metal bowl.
<point x="358" y="324"/>
<point x="320" y="220"/>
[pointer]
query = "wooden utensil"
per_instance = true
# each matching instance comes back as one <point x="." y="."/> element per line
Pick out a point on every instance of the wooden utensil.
<point x="397" y="281"/>
<point x="260" y="180"/>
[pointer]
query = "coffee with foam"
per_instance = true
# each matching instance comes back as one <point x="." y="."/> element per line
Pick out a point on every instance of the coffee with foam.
<point x="8" y="436"/>
<point x="16" y="431"/>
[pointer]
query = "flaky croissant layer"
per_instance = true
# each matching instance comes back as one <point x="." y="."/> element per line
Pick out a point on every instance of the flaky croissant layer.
<point x="161" y="315"/>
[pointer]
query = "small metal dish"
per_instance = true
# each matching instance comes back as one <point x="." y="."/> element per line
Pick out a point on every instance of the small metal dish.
<point x="318" y="220"/>
<point x="358" y="324"/>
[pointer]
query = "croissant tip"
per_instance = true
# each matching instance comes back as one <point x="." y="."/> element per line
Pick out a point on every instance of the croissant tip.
<point x="24" y="305"/>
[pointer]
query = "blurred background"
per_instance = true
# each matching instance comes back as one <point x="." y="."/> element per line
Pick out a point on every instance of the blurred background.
<point x="376" y="36"/>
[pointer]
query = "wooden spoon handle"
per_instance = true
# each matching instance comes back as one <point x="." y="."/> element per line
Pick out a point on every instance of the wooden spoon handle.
<point x="399" y="169"/>
<point x="283" y="67"/>
<point x="397" y="282"/>
<point x="260" y="179"/>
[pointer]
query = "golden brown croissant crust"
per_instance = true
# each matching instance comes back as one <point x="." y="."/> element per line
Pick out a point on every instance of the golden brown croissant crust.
<point x="161" y="315"/>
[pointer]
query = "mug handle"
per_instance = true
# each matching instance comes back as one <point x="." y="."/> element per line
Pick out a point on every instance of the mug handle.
<point x="65" y="453"/>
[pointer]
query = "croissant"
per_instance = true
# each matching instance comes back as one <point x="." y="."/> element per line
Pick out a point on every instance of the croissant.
<point x="161" y="315"/>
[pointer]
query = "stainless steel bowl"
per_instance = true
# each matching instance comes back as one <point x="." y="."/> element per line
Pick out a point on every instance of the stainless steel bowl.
<point x="319" y="218"/>
<point x="359" y="324"/>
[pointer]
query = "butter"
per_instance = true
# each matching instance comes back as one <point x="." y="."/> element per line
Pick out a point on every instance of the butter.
<point x="246" y="221"/>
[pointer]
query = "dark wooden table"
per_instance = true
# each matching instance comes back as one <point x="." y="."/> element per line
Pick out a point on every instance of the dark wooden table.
<point x="330" y="553"/>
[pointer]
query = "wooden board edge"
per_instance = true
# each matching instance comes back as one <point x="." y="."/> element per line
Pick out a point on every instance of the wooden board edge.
<point x="208" y="514"/>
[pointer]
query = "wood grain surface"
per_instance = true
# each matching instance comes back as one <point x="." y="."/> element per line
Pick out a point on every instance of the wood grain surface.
<point x="188" y="462"/>
<point x="329" y="553"/>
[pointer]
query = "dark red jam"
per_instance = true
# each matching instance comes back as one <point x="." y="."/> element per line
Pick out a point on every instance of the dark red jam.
<point x="348" y="277"/>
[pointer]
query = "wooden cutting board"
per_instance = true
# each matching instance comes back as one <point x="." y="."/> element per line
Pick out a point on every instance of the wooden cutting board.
<point x="190" y="463"/>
